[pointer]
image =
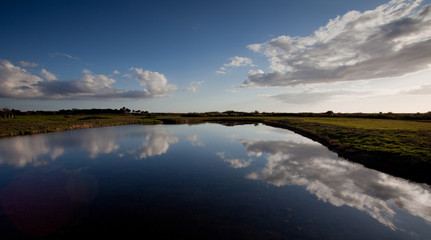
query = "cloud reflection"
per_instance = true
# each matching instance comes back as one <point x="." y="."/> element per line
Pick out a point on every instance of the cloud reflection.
<point x="98" y="142"/>
<point x="157" y="143"/>
<point x="42" y="149"/>
<point x="194" y="140"/>
<point x="234" y="162"/>
<point x="339" y="182"/>
<point x="23" y="151"/>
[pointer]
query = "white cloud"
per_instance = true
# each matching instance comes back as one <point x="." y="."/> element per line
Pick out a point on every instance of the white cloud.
<point x="28" y="64"/>
<point x="193" y="86"/>
<point x="93" y="83"/>
<point x="127" y="75"/>
<point x="392" y="40"/>
<point x="47" y="75"/>
<point x="16" y="82"/>
<point x="156" y="84"/>
<point x="235" y="62"/>
<point x="239" y="62"/>
<point x="116" y="72"/>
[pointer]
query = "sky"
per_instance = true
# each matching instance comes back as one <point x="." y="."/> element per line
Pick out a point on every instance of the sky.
<point x="200" y="56"/>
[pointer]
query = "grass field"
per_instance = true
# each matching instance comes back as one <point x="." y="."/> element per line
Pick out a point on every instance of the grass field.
<point x="409" y="139"/>
<point x="376" y="124"/>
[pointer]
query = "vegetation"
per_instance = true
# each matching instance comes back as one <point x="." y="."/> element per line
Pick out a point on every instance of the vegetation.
<point x="32" y="124"/>
<point x="394" y="143"/>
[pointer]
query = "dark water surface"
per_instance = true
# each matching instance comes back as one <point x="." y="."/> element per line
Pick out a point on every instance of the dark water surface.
<point x="201" y="181"/>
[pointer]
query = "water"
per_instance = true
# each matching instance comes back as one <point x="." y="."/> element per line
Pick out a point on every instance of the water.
<point x="201" y="181"/>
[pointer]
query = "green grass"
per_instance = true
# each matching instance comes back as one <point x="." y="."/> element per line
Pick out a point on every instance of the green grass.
<point x="375" y="124"/>
<point x="401" y="138"/>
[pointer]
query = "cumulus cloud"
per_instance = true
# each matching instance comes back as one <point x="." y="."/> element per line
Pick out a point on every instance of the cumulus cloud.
<point x="88" y="86"/>
<point x="235" y="62"/>
<point x="239" y="62"/>
<point x="47" y="75"/>
<point x="116" y="72"/>
<point x="28" y="64"/>
<point x="392" y="40"/>
<point x="156" y="84"/>
<point x="193" y="86"/>
<point x="16" y="82"/>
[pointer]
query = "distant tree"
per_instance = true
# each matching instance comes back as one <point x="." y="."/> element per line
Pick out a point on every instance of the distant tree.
<point x="7" y="113"/>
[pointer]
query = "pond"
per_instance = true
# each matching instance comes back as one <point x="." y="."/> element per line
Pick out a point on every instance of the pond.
<point x="205" y="181"/>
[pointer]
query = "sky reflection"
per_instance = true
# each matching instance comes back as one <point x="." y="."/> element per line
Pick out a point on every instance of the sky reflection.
<point x="338" y="182"/>
<point x="23" y="151"/>
<point x="277" y="157"/>
<point x="43" y="149"/>
<point x="157" y="143"/>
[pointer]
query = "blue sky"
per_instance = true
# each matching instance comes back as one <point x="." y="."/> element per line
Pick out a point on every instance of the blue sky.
<point x="197" y="56"/>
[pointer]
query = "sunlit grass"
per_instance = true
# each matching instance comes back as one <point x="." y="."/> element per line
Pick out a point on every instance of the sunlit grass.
<point x="402" y="138"/>
<point x="376" y="124"/>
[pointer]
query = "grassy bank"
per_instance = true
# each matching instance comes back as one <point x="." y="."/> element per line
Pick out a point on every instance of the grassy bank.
<point x="398" y="147"/>
<point x="32" y="124"/>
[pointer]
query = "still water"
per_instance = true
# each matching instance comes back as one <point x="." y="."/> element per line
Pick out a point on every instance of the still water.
<point x="205" y="181"/>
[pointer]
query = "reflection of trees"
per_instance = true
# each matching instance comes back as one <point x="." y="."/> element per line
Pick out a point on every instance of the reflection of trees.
<point x="339" y="182"/>
<point x="157" y="143"/>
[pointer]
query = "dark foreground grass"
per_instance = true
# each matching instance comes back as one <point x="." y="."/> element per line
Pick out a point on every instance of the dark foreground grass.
<point x="398" y="147"/>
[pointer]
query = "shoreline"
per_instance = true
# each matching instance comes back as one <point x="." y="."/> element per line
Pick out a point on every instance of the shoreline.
<point x="384" y="161"/>
<point x="380" y="161"/>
